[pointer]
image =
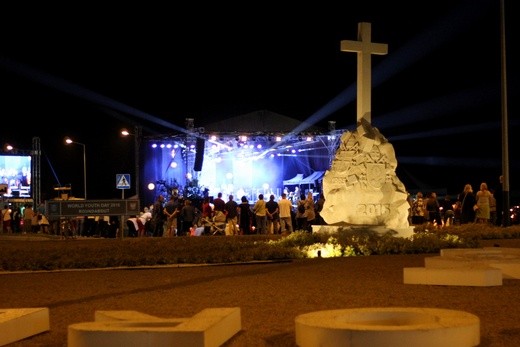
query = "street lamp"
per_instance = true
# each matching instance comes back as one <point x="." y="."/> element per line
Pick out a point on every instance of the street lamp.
<point x="137" y="143"/>
<point x="68" y="141"/>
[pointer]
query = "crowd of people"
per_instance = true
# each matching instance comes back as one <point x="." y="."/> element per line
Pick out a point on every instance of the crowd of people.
<point x="182" y="217"/>
<point x="23" y="219"/>
<point x="484" y="206"/>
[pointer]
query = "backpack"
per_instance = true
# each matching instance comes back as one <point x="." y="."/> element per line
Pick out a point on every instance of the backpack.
<point x="301" y="208"/>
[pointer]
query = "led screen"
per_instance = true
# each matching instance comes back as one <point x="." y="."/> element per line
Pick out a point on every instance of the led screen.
<point x="15" y="173"/>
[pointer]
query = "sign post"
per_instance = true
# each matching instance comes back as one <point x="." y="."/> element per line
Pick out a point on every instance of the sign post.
<point x="74" y="208"/>
<point x="67" y="209"/>
<point x="122" y="182"/>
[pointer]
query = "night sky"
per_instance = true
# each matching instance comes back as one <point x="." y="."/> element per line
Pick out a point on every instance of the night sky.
<point x="88" y="72"/>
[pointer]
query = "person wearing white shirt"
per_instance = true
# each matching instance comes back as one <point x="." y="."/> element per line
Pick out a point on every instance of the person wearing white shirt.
<point x="285" y="207"/>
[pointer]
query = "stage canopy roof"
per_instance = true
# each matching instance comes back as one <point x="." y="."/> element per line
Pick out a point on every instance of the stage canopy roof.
<point x="293" y="181"/>
<point x="313" y="177"/>
<point x="299" y="180"/>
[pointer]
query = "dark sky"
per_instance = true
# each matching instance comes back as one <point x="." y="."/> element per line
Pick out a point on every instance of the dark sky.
<point x="88" y="72"/>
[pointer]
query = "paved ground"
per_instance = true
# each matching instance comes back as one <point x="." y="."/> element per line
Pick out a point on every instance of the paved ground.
<point x="270" y="295"/>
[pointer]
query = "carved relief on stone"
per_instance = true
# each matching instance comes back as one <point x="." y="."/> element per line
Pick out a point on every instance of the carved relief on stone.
<point x="361" y="186"/>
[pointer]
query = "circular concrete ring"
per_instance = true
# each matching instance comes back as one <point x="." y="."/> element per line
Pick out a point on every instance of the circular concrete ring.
<point x="388" y="327"/>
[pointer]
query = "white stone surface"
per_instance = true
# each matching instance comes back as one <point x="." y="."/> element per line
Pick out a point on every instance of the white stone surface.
<point x="460" y="276"/>
<point x="208" y="328"/>
<point x="388" y="327"/>
<point x="505" y="259"/>
<point x="361" y="187"/>
<point x="364" y="47"/>
<point x="486" y="266"/>
<point x="19" y="323"/>
<point x="111" y="316"/>
<point x="484" y="252"/>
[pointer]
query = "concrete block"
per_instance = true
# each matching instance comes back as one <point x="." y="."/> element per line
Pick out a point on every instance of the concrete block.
<point x="463" y="276"/>
<point x="19" y="323"/>
<point x="505" y="259"/>
<point x="509" y="270"/>
<point x="208" y="328"/>
<point x="102" y="316"/>
<point x="487" y="252"/>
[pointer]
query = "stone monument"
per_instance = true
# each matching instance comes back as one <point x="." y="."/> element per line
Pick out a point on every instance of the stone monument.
<point x="361" y="187"/>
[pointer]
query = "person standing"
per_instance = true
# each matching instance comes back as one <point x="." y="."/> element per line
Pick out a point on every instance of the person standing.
<point x="158" y="216"/>
<point x="16" y="218"/>
<point x="285" y="207"/>
<point x="483" y="213"/>
<point x="467" y="202"/>
<point x="433" y="209"/>
<point x="219" y="204"/>
<point x="231" y="209"/>
<point x="28" y="214"/>
<point x="273" y="216"/>
<point x="188" y="216"/>
<point x="501" y="219"/>
<point x="492" y="208"/>
<point x="245" y="216"/>
<point x="301" y="214"/>
<point x="6" y="219"/>
<point x="319" y="208"/>
<point x="260" y="215"/>
<point x="171" y="209"/>
<point x="310" y="211"/>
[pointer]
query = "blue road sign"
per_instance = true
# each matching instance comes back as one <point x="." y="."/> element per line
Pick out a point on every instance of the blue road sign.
<point x="123" y="181"/>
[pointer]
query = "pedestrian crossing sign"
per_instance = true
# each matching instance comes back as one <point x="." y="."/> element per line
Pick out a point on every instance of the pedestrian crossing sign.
<point x="123" y="181"/>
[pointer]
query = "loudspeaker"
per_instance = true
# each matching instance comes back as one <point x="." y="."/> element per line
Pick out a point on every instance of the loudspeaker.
<point x="199" y="154"/>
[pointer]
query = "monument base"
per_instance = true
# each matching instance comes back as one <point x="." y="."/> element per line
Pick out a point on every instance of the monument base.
<point x="380" y="229"/>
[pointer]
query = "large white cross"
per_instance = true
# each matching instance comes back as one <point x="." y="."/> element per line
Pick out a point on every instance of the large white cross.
<point x="364" y="49"/>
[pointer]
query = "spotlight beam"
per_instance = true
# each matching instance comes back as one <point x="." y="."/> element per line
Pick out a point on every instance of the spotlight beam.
<point x="451" y="162"/>
<point x="445" y="132"/>
<point x="433" y="108"/>
<point x="83" y="93"/>
<point x="445" y="30"/>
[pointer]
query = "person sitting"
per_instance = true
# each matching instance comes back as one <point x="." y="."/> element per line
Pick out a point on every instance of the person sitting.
<point x="207" y="213"/>
<point x="219" y="222"/>
<point x="418" y="210"/>
<point x="447" y="211"/>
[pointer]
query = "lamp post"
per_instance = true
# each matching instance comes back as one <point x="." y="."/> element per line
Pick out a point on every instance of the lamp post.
<point x="68" y="141"/>
<point x="137" y="144"/>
